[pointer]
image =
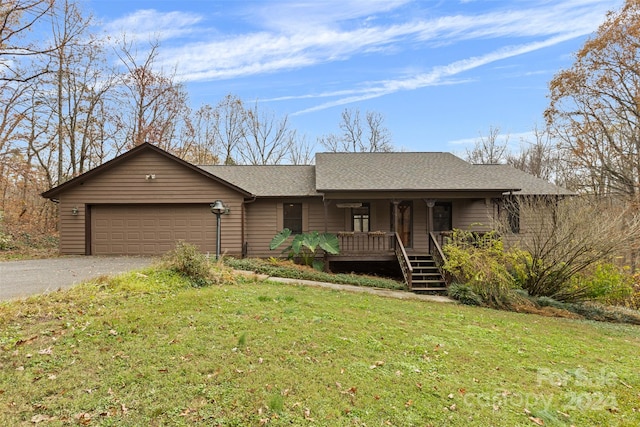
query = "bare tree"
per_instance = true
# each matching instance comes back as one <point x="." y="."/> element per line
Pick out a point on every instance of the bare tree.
<point x="154" y="104"/>
<point x="489" y="150"/>
<point x="267" y="139"/>
<point x="81" y="84"/>
<point x="300" y="152"/>
<point x="378" y="135"/>
<point x="230" y="116"/>
<point x="373" y="137"/>
<point x="17" y="18"/>
<point x="199" y="137"/>
<point x="539" y="157"/>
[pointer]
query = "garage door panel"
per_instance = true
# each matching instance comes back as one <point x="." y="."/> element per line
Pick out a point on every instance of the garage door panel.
<point x="150" y="230"/>
<point x="150" y="235"/>
<point x="164" y="235"/>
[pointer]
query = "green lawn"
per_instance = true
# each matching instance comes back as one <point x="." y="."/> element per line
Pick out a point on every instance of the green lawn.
<point x="147" y="349"/>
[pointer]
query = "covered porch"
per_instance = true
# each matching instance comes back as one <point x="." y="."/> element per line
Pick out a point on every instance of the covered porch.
<point x="409" y="231"/>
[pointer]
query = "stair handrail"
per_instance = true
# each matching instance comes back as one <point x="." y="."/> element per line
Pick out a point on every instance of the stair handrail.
<point x="403" y="260"/>
<point x="438" y="256"/>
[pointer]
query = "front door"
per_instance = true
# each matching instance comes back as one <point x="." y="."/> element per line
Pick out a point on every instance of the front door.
<point x="405" y="222"/>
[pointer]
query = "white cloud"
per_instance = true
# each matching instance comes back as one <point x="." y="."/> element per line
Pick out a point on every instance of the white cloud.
<point x="437" y="76"/>
<point x="297" y="35"/>
<point x="326" y="37"/>
<point x="149" y="24"/>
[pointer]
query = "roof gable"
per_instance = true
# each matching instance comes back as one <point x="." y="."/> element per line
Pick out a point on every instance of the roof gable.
<point x="136" y="151"/>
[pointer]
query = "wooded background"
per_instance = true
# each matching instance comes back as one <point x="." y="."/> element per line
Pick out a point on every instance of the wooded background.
<point x="74" y="99"/>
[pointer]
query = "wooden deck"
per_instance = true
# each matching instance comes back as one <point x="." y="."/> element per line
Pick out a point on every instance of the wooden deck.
<point x="421" y="271"/>
<point x="372" y="246"/>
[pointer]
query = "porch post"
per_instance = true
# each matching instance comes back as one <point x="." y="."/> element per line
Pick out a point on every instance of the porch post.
<point x="430" y="204"/>
<point x="395" y="215"/>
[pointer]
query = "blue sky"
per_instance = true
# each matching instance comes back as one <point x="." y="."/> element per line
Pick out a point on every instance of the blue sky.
<point x="440" y="72"/>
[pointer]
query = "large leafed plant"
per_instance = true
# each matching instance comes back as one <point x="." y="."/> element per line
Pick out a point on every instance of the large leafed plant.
<point x="306" y="245"/>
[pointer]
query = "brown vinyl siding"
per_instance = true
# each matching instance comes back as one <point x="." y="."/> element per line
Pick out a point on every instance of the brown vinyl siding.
<point x="475" y="214"/>
<point x="261" y="219"/>
<point x="264" y="219"/>
<point x="126" y="184"/>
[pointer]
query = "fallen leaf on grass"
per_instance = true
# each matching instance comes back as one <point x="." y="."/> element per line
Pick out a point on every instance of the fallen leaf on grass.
<point x="26" y="340"/>
<point x="536" y="420"/>
<point x="83" y="418"/>
<point x="47" y="350"/>
<point x="307" y="414"/>
<point x="40" y="418"/>
<point x="625" y="384"/>
<point x="185" y="412"/>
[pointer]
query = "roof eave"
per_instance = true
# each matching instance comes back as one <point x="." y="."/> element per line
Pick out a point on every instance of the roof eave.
<point x="408" y="190"/>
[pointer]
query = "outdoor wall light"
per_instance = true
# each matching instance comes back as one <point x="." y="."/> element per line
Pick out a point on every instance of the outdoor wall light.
<point x="150" y="176"/>
<point x="430" y="202"/>
<point x="74" y="211"/>
<point x="218" y="208"/>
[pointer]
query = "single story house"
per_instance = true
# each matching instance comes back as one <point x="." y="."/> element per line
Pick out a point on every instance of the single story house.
<point x="383" y="206"/>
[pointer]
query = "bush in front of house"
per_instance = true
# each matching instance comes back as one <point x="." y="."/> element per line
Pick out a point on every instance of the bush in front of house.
<point x="605" y="283"/>
<point x="485" y="274"/>
<point x="481" y="263"/>
<point x="464" y="294"/>
<point x="187" y="260"/>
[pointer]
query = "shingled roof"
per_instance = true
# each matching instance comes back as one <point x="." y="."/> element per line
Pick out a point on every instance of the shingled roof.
<point x="269" y="181"/>
<point x="529" y="184"/>
<point x="404" y="172"/>
<point x="425" y="171"/>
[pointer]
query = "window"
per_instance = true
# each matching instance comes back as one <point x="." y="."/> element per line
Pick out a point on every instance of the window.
<point x="513" y="214"/>
<point x="442" y="220"/>
<point x="292" y="217"/>
<point x="360" y="218"/>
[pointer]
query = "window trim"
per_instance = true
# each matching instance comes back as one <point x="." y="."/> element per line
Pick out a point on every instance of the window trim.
<point x="361" y="218"/>
<point x="286" y="221"/>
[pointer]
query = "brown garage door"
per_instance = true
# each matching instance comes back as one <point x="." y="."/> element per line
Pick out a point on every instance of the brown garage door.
<point x="150" y="229"/>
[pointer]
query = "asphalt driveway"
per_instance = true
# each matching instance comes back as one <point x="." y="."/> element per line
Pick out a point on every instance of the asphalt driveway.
<point x="23" y="278"/>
